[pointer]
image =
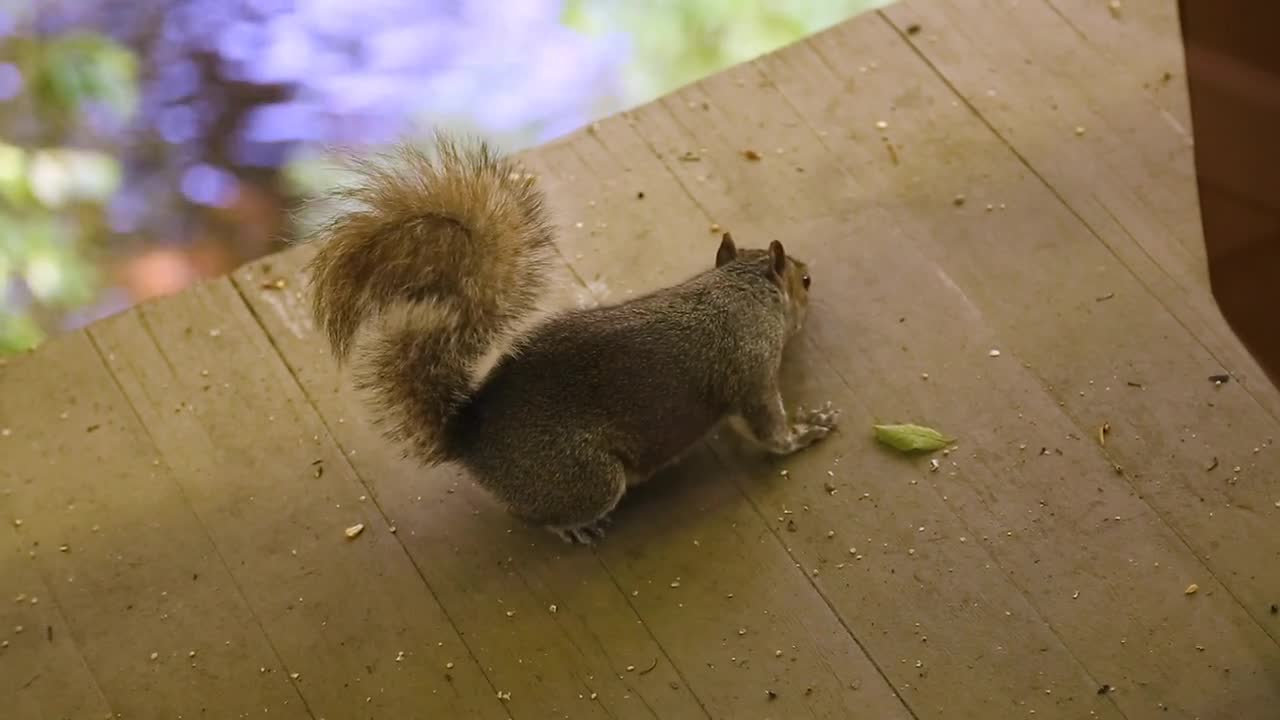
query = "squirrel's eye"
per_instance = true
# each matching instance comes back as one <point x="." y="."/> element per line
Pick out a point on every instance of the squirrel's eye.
<point x="805" y="280"/>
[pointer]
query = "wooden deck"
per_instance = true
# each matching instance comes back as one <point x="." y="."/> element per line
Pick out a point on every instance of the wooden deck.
<point x="177" y="480"/>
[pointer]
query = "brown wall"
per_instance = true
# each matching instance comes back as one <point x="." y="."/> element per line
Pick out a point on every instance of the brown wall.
<point x="1233" y="69"/>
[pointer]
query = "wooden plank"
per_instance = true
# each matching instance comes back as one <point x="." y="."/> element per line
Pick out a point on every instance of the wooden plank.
<point x="619" y="610"/>
<point x="139" y="575"/>
<point x="749" y="197"/>
<point x="42" y="673"/>
<point x="356" y="629"/>
<point x="1042" y="295"/>
<point x="1141" y="40"/>
<point x="1028" y="290"/>
<point x="1129" y="177"/>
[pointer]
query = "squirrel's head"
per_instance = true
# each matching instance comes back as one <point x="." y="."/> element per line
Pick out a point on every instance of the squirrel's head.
<point x="791" y="276"/>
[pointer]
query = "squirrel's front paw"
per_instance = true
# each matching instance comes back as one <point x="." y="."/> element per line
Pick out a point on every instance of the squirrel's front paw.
<point x="824" y="417"/>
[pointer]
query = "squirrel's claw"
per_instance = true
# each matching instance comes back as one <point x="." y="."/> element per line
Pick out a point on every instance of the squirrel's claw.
<point x="825" y="417"/>
<point x="587" y="534"/>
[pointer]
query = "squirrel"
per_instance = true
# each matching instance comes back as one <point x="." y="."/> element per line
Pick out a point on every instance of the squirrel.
<point x="431" y="284"/>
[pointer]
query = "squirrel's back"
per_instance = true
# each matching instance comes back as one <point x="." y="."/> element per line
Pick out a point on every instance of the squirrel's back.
<point x="431" y="264"/>
<point x="646" y="377"/>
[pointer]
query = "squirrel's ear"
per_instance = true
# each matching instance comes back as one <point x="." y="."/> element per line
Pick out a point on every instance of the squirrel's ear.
<point x="779" y="257"/>
<point x="728" y="252"/>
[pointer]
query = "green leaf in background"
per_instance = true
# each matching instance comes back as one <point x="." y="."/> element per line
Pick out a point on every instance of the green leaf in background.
<point x="675" y="42"/>
<point x="71" y="69"/>
<point x="911" y="438"/>
<point x="18" y="332"/>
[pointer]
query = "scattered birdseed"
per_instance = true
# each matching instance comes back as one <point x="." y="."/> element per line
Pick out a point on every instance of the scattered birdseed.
<point x="355" y="530"/>
<point x="155" y="656"/>
<point x="1191" y="589"/>
<point x="994" y="353"/>
<point x="882" y="125"/>
<point x="1079" y="130"/>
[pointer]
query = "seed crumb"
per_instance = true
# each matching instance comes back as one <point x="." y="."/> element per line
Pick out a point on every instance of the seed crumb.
<point x="1192" y="589"/>
<point x="355" y="530"/>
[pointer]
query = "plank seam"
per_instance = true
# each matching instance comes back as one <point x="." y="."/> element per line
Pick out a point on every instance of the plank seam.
<point x="222" y="560"/>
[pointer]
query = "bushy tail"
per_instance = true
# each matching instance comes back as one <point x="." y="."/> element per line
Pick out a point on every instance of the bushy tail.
<point x="430" y="266"/>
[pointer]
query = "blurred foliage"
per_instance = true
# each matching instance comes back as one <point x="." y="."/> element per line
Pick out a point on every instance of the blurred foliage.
<point x="200" y="121"/>
<point x="675" y="42"/>
<point x="54" y="185"/>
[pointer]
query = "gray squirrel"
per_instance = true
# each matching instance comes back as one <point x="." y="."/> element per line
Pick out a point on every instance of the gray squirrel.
<point x="430" y="283"/>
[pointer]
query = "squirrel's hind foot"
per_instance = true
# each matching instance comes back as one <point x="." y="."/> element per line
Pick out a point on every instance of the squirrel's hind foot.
<point x="587" y="534"/>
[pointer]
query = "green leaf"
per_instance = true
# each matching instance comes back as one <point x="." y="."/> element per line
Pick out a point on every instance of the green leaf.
<point x="911" y="438"/>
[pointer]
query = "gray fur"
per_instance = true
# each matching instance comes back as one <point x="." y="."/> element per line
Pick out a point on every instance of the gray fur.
<point x="595" y="400"/>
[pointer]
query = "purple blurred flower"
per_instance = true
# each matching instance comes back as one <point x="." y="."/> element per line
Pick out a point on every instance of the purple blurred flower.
<point x="10" y="81"/>
<point x="208" y="185"/>
<point x="341" y="72"/>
